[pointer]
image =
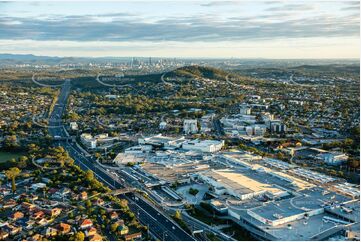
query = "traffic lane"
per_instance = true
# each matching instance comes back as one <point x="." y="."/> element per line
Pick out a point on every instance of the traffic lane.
<point x="86" y="164"/>
<point x="182" y="235"/>
<point x="152" y="223"/>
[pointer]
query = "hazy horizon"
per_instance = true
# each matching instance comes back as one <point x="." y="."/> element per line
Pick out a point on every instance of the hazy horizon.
<point x="177" y="57"/>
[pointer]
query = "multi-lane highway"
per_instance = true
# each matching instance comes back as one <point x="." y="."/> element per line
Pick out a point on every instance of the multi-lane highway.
<point x="160" y="226"/>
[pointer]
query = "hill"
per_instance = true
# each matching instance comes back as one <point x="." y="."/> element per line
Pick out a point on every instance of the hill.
<point x="198" y="72"/>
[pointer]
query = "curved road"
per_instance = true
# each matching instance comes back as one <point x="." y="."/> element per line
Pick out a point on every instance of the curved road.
<point x="232" y="83"/>
<point x="45" y="85"/>
<point x="110" y="85"/>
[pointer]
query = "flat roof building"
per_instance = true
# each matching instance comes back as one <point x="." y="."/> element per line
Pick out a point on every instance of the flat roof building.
<point x="239" y="185"/>
<point x="208" y="146"/>
<point x="313" y="214"/>
<point x="162" y="141"/>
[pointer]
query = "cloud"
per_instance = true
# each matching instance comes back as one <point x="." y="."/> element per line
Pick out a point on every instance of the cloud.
<point x="201" y="27"/>
<point x="219" y="3"/>
<point x="292" y="7"/>
<point x="351" y="8"/>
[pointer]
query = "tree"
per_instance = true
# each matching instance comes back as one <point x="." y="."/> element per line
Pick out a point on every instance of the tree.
<point x="354" y="163"/>
<point x="33" y="148"/>
<point x="89" y="175"/>
<point x="12" y="173"/>
<point x="123" y="203"/>
<point x="193" y="191"/>
<point x="22" y="162"/>
<point x="79" y="236"/>
<point x="88" y="204"/>
<point x="11" y="142"/>
<point x="178" y="215"/>
<point x="113" y="227"/>
<point x="348" y="142"/>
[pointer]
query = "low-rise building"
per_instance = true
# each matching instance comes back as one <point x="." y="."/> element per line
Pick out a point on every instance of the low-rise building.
<point x="133" y="236"/>
<point x="162" y="141"/>
<point x="190" y="126"/>
<point x="238" y="184"/>
<point x="276" y="126"/>
<point x="98" y="140"/>
<point x="244" y="109"/>
<point x="333" y="158"/>
<point x="74" y="126"/>
<point x="88" y="140"/>
<point x="86" y="223"/>
<point x="139" y="149"/>
<point x="208" y="146"/>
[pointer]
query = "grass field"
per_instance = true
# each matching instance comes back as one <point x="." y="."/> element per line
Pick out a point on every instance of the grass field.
<point x="5" y="156"/>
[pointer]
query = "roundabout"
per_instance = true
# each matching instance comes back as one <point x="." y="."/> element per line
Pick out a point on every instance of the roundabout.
<point x="35" y="121"/>
<point x="111" y="126"/>
<point x="45" y="161"/>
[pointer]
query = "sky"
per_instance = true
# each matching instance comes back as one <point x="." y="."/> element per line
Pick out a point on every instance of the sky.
<point x="209" y="29"/>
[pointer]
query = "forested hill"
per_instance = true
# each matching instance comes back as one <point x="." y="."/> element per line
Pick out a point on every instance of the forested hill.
<point x="198" y="72"/>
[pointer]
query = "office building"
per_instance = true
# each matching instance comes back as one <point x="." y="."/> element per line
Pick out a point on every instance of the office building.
<point x="190" y="126"/>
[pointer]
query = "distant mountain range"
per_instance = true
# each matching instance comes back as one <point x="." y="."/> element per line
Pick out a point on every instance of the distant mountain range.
<point x="8" y="59"/>
<point x="12" y="59"/>
<point x="24" y="57"/>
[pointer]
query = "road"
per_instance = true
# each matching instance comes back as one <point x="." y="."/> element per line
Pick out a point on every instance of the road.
<point x="44" y="85"/>
<point x="159" y="225"/>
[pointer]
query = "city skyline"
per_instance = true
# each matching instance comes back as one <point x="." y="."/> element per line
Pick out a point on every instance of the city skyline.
<point x="208" y="29"/>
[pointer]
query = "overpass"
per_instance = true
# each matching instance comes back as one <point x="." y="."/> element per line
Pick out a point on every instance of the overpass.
<point x="63" y="138"/>
<point x="122" y="191"/>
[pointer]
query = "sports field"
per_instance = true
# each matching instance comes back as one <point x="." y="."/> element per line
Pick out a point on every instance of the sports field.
<point x="5" y="156"/>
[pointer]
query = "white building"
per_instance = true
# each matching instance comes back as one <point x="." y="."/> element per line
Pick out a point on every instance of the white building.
<point x="162" y="141"/>
<point x="110" y="96"/>
<point x="206" y="123"/>
<point x="88" y="140"/>
<point x="208" y="146"/>
<point x="139" y="149"/>
<point x="37" y="186"/>
<point x="190" y="126"/>
<point x="334" y="158"/>
<point x="254" y="130"/>
<point x="267" y="118"/>
<point x="259" y="130"/>
<point x="245" y="109"/>
<point x="277" y="126"/>
<point x="73" y="126"/>
<point x="162" y="125"/>
<point x="99" y="140"/>
<point x="255" y="97"/>
<point x="238" y="185"/>
<point x="250" y="119"/>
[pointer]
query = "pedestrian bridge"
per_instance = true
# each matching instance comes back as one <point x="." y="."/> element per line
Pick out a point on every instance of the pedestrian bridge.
<point x="122" y="191"/>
